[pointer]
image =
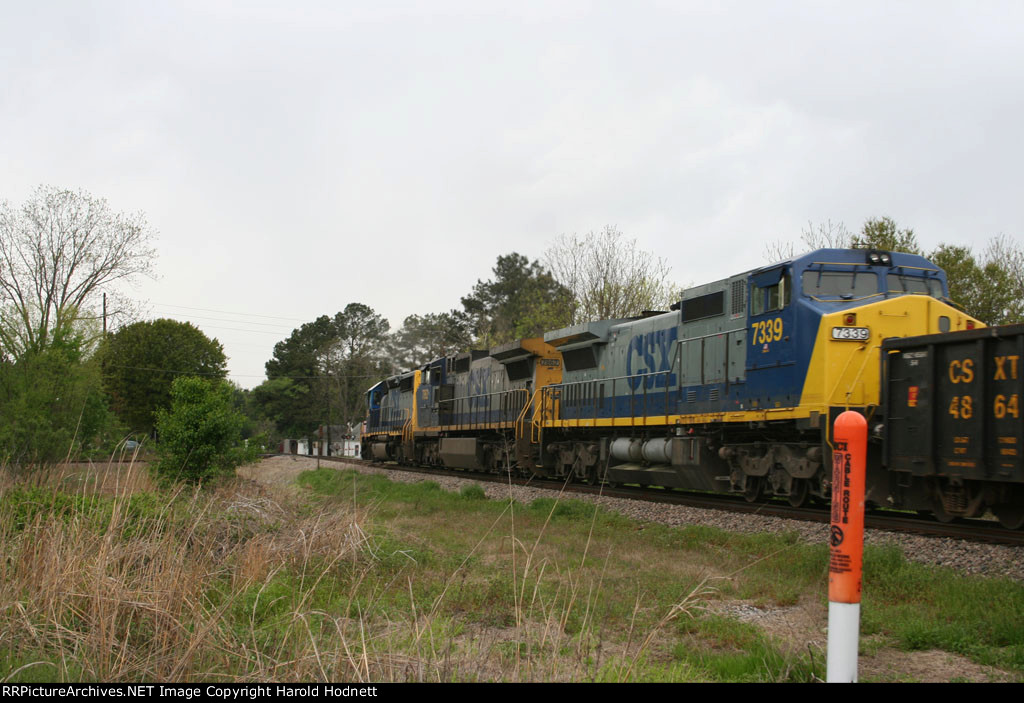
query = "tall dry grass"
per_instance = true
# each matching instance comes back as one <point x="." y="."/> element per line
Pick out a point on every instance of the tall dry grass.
<point x="106" y="577"/>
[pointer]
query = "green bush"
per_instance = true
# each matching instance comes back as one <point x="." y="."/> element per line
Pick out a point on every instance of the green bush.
<point x="562" y="508"/>
<point x="200" y="437"/>
<point x="53" y="407"/>
<point x="473" y="491"/>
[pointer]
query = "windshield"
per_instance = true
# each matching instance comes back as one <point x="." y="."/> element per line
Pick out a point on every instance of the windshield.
<point x="840" y="284"/>
<point x="899" y="283"/>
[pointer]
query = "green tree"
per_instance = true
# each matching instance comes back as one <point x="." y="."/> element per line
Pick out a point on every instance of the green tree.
<point x="877" y="233"/>
<point x="283" y="402"/>
<point x="609" y="277"/>
<point x="140" y="361"/>
<point x="423" y="338"/>
<point x="297" y="356"/>
<point x="53" y="406"/>
<point x="989" y="286"/>
<point x="294" y="392"/>
<point x="522" y="300"/>
<point x="256" y="426"/>
<point x="318" y="375"/>
<point x="882" y="233"/>
<point x="356" y="358"/>
<point x="200" y="435"/>
<point x="986" y="287"/>
<point x="1003" y="262"/>
<point x="62" y="254"/>
<point x="59" y="252"/>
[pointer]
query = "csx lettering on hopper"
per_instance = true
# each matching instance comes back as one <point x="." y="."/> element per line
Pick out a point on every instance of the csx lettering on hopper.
<point x="733" y="390"/>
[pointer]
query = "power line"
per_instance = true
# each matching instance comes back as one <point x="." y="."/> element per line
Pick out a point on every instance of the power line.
<point x="221" y="319"/>
<point x="229" y="312"/>
<point x="238" y="329"/>
<point x="230" y="373"/>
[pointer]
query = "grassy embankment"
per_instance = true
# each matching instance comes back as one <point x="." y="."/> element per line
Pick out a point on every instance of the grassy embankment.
<point x="350" y="577"/>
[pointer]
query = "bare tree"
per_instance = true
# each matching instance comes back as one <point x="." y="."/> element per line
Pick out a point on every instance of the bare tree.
<point x="58" y="253"/>
<point x="828" y="235"/>
<point x="609" y="277"/>
<point x="1007" y="253"/>
<point x="1003" y="267"/>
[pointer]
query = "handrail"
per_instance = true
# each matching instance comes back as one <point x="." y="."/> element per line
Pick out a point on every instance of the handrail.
<point x="640" y="390"/>
<point x="454" y="403"/>
<point x="860" y="372"/>
<point x="617" y="378"/>
<point x="539" y="415"/>
<point x="867" y="265"/>
<point x="520" y="421"/>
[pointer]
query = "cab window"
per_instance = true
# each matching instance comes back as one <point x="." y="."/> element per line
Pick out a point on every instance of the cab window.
<point x="765" y="299"/>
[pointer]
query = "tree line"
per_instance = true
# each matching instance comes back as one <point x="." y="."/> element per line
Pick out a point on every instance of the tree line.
<point x="988" y="284"/>
<point x="70" y="390"/>
<point x="601" y="275"/>
<point x="77" y="375"/>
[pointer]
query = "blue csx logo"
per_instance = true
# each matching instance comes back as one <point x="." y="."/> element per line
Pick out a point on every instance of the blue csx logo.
<point x="654" y="351"/>
<point x="478" y="381"/>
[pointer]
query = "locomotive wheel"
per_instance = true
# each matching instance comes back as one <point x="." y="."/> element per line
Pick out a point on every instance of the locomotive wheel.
<point x="488" y="461"/>
<point x="798" y="492"/>
<point x="1011" y="512"/>
<point x="1010" y="516"/>
<point x="940" y="514"/>
<point x="753" y="489"/>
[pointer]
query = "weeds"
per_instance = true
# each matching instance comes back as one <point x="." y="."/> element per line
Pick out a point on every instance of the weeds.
<point x="109" y="577"/>
<point x="160" y="585"/>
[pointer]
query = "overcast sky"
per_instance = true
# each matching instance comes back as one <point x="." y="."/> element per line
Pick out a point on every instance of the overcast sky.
<point x="297" y="156"/>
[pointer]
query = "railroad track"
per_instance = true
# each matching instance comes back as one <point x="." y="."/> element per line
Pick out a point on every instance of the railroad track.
<point x="987" y="531"/>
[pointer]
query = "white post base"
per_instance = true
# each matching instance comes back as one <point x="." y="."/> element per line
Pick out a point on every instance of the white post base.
<point x="843" y="638"/>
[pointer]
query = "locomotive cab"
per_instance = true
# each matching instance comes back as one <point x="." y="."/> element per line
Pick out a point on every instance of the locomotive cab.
<point x="859" y="299"/>
<point x="774" y="338"/>
<point x="816" y="325"/>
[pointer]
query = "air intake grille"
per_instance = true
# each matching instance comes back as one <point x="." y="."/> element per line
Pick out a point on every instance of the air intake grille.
<point x="738" y="294"/>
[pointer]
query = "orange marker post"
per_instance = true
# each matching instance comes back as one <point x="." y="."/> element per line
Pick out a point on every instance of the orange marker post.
<point x="846" y="538"/>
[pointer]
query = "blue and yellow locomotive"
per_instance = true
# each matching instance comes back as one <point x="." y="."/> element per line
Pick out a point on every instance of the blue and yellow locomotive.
<point x="733" y="390"/>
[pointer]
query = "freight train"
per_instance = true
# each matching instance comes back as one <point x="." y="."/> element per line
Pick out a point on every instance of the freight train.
<point x="735" y="390"/>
